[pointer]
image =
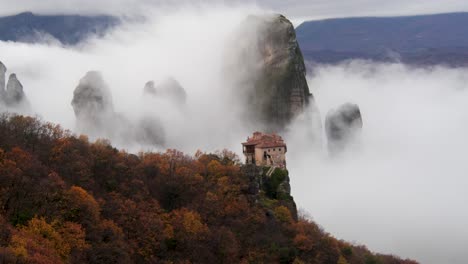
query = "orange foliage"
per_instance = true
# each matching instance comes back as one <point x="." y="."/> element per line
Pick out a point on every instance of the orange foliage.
<point x="66" y="200"/>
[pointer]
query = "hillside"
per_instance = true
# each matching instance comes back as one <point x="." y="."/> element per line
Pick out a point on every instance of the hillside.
<point x="424" y="39"/>
<point x="68" y="29"/>
<point x="64" y="199"/>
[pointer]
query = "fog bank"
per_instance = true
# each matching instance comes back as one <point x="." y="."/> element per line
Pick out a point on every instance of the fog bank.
<point x="402" y="191"/>
<point x="188" y="44"/>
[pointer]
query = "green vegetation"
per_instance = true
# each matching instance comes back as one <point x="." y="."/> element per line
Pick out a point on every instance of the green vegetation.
<point x="273" y="182"/>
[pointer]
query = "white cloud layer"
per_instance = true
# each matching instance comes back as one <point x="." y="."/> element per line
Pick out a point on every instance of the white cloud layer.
<point x="403" y="192"/>
<point x="297" y="10"/>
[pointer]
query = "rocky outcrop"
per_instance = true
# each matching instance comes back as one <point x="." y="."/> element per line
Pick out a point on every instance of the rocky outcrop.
<point x="342" y="126"/>
<point x="92" y="104"/>
<point x="149" y="131"/>
<point x="92" y="101"/>
<point x="273" y="71"/>
<point x="14" y="94"/>
<point x="169" y="89"/>
<point x="150" y="88"/>
<point x="95" y="115"/>
<point x="269" y="190"/>
<point x="3" y="70"/>
<point x="254" y="174"/>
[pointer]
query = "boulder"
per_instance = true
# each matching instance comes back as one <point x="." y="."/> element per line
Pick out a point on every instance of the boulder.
<point x="342" y="126"/>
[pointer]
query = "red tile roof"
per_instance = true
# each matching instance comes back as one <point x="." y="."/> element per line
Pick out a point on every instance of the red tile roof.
<point x="262" y="140"/>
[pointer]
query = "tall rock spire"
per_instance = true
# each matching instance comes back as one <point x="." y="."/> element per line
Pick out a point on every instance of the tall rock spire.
<point x="14" y="91"/>
<point x="269" y="68"/>
<point x="3" y="70"/>
<point x="343" y="127"/>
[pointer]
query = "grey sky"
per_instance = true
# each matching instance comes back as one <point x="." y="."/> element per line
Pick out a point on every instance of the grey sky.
<point x="403" y="193"/>
<point x="296" y="10"/>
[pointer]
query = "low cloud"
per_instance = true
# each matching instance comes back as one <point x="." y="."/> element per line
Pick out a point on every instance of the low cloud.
<point x="402" y="191"/>
<point x="189" y="45"/>
<point x="297" y="11"/>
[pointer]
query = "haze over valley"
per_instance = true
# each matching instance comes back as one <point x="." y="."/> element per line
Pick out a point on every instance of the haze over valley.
<point x="373" y="110"/>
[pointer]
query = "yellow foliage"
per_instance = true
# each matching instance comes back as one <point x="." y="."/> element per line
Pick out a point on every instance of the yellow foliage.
<point x="52" y="241"/>
<point x="192" y="223"/>
<point x="18" y="246"/>
<point x="342" y="260"/>
<point x="283" y="214"/>
<point x="214" y="168"/>
<point x="38" y="226"/>
<point x="298" y="261"/>
<point x="84" y="202"/>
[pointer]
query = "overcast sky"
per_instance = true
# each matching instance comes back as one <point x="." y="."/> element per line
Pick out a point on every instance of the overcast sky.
<point x="296" y="10"/>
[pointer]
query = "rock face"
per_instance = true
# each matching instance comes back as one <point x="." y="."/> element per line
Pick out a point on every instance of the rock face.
<point x="169" y="89"/>
<point x="150" y="132"/>
<point x="95" y="114"/>
<point x="92" y="97"/>
<point x="12" y="96"/>
<point x="92" y="100"/>
<point x="150" y="88"/>
<point x="278" y="89"/>
<point x="14" y="91"/>
<point x="3" y="70"/>
<point x="342" y="126"/>
<point x="274" y="187"/>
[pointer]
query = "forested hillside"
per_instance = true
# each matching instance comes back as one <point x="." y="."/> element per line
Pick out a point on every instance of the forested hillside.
<point x="64" y="199"/>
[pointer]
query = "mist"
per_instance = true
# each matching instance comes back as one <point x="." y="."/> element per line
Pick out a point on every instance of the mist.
<point x="400" y="191"/>
<point x="403" y="189"/>
<point x="188" y="44"/>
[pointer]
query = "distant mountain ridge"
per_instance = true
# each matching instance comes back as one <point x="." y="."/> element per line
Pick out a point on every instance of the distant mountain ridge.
<point x="422" y="39"/>
<point x="68" y="29"/>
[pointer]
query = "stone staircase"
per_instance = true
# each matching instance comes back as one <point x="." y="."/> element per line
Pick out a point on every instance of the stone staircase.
<point x="270" y="171"/>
